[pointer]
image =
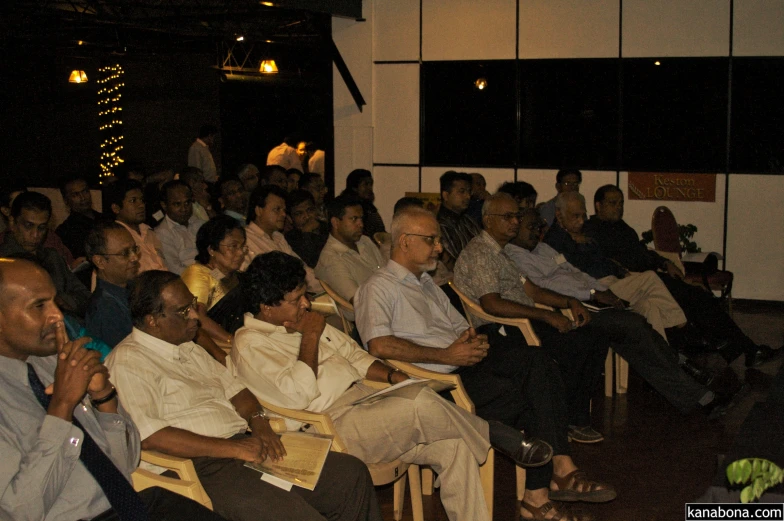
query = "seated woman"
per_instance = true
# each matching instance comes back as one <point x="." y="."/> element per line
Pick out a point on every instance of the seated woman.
<point x="213" y="277"/>
<point x="288" y="356"/>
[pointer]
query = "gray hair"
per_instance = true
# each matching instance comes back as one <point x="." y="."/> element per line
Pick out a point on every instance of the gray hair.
<point x="402" y="221"/>
<point x="564" y="197"/>
<point x="497" y="197"/>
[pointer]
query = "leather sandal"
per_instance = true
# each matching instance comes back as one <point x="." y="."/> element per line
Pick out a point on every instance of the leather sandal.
<point x="576" y="486"/>
<point x="540" y="513"/>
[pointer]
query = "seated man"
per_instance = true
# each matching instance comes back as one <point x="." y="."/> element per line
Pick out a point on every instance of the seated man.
<point x="349" y="257"/>
<point x="309" y="235"/>
<point x="77" y="197"/>
<point x="67" y="454"/>
<point x="402" y="315"/>
<point x="188" y="405"/>
<point x="628" y="333"/>
<point x="566" y="180"/>
<point x="177" y="232"/>
<point x="266" y="219"/>
<point x="202" y="206"/>
<point x="125" y="199"/>
<point x="233" y="198"/>
<point x="620" y="243"/>
<point x="289" y="356"/>
<point x="457" y="227"/>
<point x="249" y="175"/>
<point x="28" y="228"/>
<point x="274" y="175"/>
<point x="110" y="248"/>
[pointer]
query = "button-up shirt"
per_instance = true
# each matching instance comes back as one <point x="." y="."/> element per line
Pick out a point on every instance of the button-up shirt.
<point x="41" y="476"/>
<point x="152" y="250"/>
<point x="199" y="155"/>
<point x="344" y="269"/>
<point x="178" y="242"/>
<point x="484" y="268"/>
<point x="393" y="302"/>
<point x="548" y="269"/>
<point x="109" y="314"/>
<point x="259" y="242"/>
<point x="456" y="230"/>
<point x="266" y="359"/>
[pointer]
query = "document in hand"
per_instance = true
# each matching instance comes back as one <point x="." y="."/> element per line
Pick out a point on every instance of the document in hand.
<point x="302" y="465"/>
<point x="406" y="389"/>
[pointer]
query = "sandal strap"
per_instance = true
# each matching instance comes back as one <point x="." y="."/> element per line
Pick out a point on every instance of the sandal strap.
<point x="577" y="480"/>
<point x="540" y="513"/>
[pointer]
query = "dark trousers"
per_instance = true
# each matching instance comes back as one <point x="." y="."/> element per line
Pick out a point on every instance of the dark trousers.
<point x="344" y="492"/>
<point x="163" y="505"/>
<point x="580" y="355"/>
<point x="520" y="386"/>
<point x="705" y="312"/>
<point x="648" y="353"/>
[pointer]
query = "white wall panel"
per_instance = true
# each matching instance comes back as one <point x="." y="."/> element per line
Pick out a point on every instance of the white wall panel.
<point x="755" y="226"/>
<point x="468" y="29"/>
<point x="676" y="28"/>
<point x="758" y="28"/>
<point x="390" y="183"/>
<point x="494" y="177"/>
<point x="353" y="149"/>
<point x="569" y="28"/>
<point x="395" y="30"/>
<point x="355" y="42"/>
<point x="396" y="113"/>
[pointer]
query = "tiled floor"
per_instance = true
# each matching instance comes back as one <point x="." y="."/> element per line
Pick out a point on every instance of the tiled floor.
<point x="657" y="459"/>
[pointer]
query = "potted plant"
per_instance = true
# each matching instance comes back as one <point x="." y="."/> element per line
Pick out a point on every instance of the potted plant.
<point x="761" y="474"/>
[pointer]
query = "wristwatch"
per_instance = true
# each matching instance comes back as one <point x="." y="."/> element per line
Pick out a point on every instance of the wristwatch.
<point x="261" y="413"/>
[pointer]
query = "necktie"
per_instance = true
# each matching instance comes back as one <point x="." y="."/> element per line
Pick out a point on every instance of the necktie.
<point x="124" y="500"/>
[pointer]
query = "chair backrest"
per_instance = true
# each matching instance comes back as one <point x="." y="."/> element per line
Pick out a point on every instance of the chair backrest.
<point x="340" y="305"/>
<point x="665" y="231"/>
<point x="474" y="308"/>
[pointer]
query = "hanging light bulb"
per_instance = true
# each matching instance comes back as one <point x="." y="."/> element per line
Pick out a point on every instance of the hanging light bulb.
<point x="268" y="67"/>
<point x="77" y="77"/>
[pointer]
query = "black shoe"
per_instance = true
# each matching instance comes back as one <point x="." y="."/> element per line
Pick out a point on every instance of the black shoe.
<point x="700" y="376"/>
<point x="525" y="451"/>
<point x="761" y="355"/>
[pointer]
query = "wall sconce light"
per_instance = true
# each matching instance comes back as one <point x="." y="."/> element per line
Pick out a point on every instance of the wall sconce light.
<point x="77" y="77"/>
<point x="480" y="83"/>
<point x="268" y="67"/>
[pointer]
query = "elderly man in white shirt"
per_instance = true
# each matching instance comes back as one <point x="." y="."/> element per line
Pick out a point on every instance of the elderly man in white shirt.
<point x="177" y="232"/>
<point x="289" y="356"/>
<point x="266" y="219"/>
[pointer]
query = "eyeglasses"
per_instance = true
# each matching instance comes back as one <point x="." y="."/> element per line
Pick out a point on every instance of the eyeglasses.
<point x="508" y="217"/>
<point x="133" y="250"/>
<point x="184" y="312"/>
<point x="234" y="248"/>
<point x="431" y="240"/>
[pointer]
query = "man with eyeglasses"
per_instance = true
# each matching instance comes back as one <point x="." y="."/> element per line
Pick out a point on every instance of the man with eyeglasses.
<point x="177" y="232"/>
<point x="567" y="180"/>
<point x="115" y="256"/>
<point x="186" y="404"/>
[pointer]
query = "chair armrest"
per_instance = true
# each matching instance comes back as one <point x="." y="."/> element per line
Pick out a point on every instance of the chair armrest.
<point x="459" y="394"/>
<point x="188" y="485"/>
<point x="319" y="421"/>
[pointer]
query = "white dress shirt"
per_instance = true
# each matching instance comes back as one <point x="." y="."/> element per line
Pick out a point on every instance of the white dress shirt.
<point x="285" y="156"/>
<point x="178" y="242"/>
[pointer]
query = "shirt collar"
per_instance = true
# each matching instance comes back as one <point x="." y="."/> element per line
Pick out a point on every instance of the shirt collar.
<point x="231" y="213"/>
<point x="252" y="322"/>
<point x="202" y="143"/>
<point x="400" y="272"/>
<point x="162" y="348"/>
<point x="446" y="213"/>
<point x="142" y="229"/>
<point x="113" y="289"/>
<point x="338" y="246"/>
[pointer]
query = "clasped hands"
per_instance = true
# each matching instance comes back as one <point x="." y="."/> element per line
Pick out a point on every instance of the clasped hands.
<point x="469" y="349"/>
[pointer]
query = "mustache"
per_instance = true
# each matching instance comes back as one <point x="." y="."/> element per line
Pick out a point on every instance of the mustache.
<point x="51" y="328"/>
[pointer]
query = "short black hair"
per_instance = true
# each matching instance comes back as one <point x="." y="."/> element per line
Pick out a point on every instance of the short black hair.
<point x="306" y="179"/>
<point x="65" y="180"/>
<point x="568" y="171"/>
<point x="144" y="294"/>
<point x="10" y="187"/>
<point x="212" y="233"/>
<point x="298" y="197"/>
<point x="602" y="191"/>
<point x="31" y="201"/>
<point x="207" y="131"/>
<point x="269" y="277"/>
<point x="259" y="199"/>
<point x="519" y="190"/>
<point x="337" y="207"/>
<point x="450" y="177"/>
<point x="95" y="242"/>
<point x="266" y="173"/>
<point x="115" y="192"/>
<point x="407" y="202"/>
<point x="163" y="195"/>
<point x="355" y="177"/>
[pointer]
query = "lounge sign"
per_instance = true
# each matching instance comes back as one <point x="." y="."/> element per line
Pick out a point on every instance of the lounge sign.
<point x="672" y="187"/>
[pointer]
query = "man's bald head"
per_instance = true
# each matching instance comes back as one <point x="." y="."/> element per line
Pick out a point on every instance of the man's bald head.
<point x="409" y="220"/>
<point x="13" y="273"/>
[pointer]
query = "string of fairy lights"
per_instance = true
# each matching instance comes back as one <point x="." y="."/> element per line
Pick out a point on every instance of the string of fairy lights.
<point x="110" y="83"/>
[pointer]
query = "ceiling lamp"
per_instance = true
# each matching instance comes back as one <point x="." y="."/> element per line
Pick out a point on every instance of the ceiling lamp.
<point x="268" y="67"/>
<point x="77" y="77"/>
<point x="480" y="83"/>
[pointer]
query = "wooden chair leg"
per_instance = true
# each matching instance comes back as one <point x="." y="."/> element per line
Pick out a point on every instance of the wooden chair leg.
<point x="415" y="486"/>
<point x="427" y="481"/>
<point x="399" y="497"/>
<point x="487" y="475"/>
<point x="520" y="483"/>
<point x="621" y="375"/>
<point x="608" y="374"/>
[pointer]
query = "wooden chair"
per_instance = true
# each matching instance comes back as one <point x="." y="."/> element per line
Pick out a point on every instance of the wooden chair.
<point x="666" y="239"/>
<point x="459" y="395"/>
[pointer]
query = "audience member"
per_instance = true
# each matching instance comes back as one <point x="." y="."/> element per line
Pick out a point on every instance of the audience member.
<point x="81" y="217"/>
<point x="115" y="256"/>
<point x="200" y="156"/>
<point x="266" y="218"/>
<point x="292" y="179"/>
<point x="478" y="194"/>
<point x="349" y="258"/>
<point x="285" y="154"/>
<point x="69" y="453"/>
<point x="202" y="206"/>
<point x="289" y="356"/>
<point x="316" y="161"/>
<point x="248" y="174"/>
<point x="522" y="192"/>
<point x="177" y="231"/>
<point x="404" y="203"/>
<point x="303" y="151"/>
<point x="233" y="198"/>
<point x="567" y="180"/>
<point x="402" y="315"/>
<point x="308" y="235"/>
<point x="126" y="202"/>
<point x="274" y="175"/>
<point x="210" y="409"/>
<point x="28" y="227"/>
<point x="359" y="183"/>
<point x="314" y="184"/>
<point x="619" y="242"/>
<point x="457" y="228"/>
